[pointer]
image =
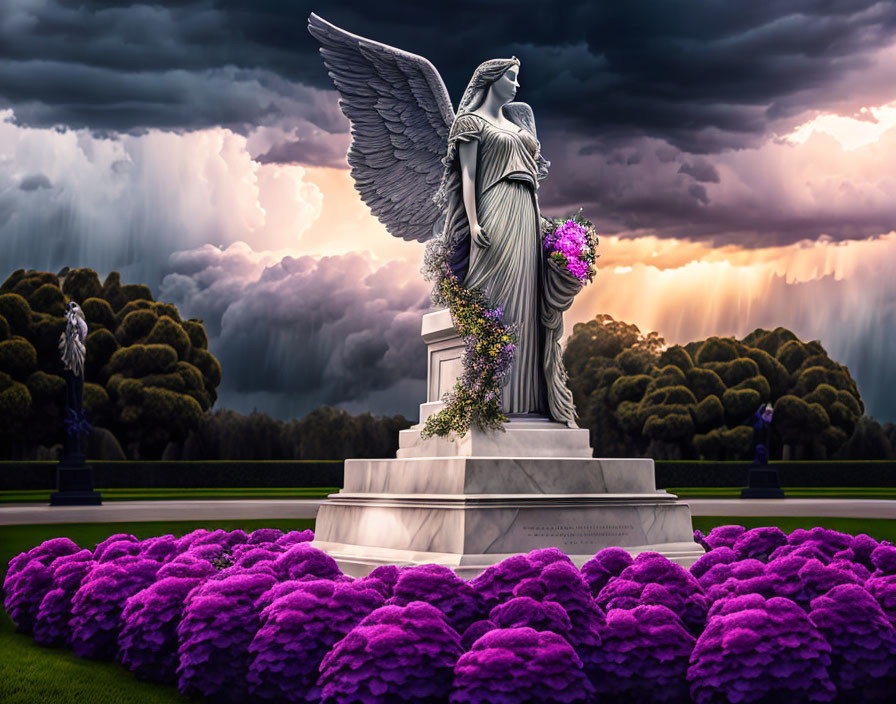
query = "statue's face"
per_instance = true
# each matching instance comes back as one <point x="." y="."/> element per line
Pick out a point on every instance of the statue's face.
<point x="506" y="86"/>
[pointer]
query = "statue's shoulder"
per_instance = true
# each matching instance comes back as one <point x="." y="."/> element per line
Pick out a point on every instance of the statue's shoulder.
<point x="467" y="124"/>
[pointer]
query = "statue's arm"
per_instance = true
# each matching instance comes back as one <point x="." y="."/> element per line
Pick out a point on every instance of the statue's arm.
<point x="467" y="151"/>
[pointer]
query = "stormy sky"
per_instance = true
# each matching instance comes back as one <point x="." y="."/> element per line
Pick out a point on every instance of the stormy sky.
<point x="736" y="157"/>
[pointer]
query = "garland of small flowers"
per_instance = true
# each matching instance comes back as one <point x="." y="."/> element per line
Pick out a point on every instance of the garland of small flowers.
<point x="489" y="343"/>
<point x="489" y="346"/>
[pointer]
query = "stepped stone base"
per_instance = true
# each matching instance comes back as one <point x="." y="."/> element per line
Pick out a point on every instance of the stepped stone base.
<point x="471" y="502"/>
<point x="471" y="512"/>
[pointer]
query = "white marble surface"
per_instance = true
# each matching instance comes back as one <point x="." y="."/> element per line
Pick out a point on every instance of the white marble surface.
<point x="528" y="439"/>
<point x="437" y="326"/>
<point x="502" y="524"/>
<point x="359" y="562"/>
<point x="504" y="475"/>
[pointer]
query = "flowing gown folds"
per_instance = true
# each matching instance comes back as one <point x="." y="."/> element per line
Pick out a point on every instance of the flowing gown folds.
<point x="509" y="270"/>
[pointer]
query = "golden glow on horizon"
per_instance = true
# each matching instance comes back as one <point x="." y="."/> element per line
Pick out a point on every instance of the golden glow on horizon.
<point x="851" y="132"/>
<point x="692" y="290"/>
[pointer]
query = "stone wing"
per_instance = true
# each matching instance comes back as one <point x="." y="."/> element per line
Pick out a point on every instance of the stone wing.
<point x="400" y="113"/>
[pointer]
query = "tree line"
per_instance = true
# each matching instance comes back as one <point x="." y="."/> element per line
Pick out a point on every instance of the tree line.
<point x="150" y="385"/>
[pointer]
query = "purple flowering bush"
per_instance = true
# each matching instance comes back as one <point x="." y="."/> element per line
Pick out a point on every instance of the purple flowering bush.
<point x="644" y="656"/>
<point x="701" y="570"/>
<point x="29" y="578"/>
<point x="397" y="653"/>
<point x="524" y="611"/>
<point x="723" y="536"/>
<point x="476" y="631"/>
<point x="759" y="543"/>
<point x="802" y="579"/>
<point x="755" y="649"/>
<point x="440" y="586"/>
<point x="883" y="560"/>
<point x="161" y="549"/>
<point x="218" y="624"/>
<point x="51" y="623"/>
<point x="884" y="590"/>
<point x="98" y="603"/>
<point x="862" y="640"/>
<point x="520" y="666"/>
<point x="99" y="551"/>
<point x="605" y="565"/>
<point x="654" y="580"/>
<point x="560" y="582"/>
<point x="265" y="616"/>
<point x="297" y="630"/>
<point x="302" y="560"/>
<point x="496" y="583"/>
<point x="148" y="638"/>
<point x="829" y="542"/>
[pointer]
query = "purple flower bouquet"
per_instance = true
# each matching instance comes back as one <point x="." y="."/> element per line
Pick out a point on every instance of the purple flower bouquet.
<point x="572" y="244"/>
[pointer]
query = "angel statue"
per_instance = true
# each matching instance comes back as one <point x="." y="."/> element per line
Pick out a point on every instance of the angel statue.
<point x="465" y="183"/>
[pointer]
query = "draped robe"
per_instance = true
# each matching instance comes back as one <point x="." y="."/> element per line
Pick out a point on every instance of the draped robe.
<point x="512" y="271"/>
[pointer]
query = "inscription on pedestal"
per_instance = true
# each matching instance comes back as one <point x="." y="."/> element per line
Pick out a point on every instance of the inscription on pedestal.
<point x="577" y="533"/>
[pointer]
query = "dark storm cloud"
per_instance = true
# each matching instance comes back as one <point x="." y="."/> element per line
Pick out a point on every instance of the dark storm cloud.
<point x="313" y="331"/>
<point x="691" y="80"/>
<point x="701" y="170"/>
<point x="666" y="69"/>
<point x="319" y="151"/>
<point x="35" y="181"/>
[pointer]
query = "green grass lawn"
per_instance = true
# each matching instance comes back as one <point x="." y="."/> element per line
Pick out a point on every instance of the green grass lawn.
<point x="32" y="674"/>
<point x="138" y="494"/>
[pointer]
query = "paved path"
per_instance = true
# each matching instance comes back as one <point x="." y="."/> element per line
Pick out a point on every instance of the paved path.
<point x="842" y="508"/>
<point x="201" y="510"/>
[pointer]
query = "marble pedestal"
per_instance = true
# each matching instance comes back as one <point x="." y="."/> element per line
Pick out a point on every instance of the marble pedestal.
<point x="471" y="502"/>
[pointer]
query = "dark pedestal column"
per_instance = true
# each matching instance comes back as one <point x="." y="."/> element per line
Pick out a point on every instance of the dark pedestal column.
<point x="762" y="483"/>
<point x="74" y="486"/>
<point x="74" y="479"/>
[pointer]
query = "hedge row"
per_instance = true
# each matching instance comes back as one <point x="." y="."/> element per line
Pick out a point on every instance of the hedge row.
<point x="22" y="476"/>
<point x="809" y="473"/>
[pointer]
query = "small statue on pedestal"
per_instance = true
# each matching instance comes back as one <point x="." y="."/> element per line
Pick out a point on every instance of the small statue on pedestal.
<point x="762" y="424"/>
<point x="74" y="479"/>
<point x="762" y="480"/>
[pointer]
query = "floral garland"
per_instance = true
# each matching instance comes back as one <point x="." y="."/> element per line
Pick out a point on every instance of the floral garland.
<point x="489" y="346"/>
<point x="489" y="343"/>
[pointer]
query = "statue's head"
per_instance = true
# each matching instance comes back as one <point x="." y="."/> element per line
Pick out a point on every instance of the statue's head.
<point x="496" y="75"/>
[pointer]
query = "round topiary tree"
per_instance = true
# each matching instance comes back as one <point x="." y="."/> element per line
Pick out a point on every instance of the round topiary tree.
<point x="691" y="402"/>
<point x="131" y="338"/>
